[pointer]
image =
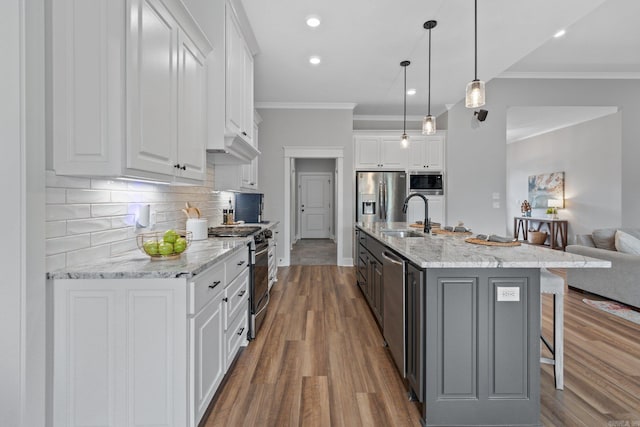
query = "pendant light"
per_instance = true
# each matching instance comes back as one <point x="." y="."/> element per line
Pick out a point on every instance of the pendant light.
<point x="475" y="88"/>
<point x="429" y="122"/>
<point x="405" y="137"/>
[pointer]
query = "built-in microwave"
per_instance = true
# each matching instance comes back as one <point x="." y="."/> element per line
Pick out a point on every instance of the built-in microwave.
<point x="426" y="183"/>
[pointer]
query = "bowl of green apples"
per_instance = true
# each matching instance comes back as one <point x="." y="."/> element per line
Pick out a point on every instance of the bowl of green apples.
<point x="164" y="245"/>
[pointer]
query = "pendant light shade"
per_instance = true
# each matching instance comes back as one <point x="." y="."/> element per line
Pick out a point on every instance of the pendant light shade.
<point x="429" y="122"/>
<point x="475" y="89"/>
<point x="405" y="137"/>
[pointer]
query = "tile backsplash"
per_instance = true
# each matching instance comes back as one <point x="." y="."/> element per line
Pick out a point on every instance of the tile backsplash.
<point x="89" y="218"/>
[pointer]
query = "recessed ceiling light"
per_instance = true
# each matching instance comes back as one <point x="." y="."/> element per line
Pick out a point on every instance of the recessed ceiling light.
<point x="559" y="34"/>
<point x="411" y="92"/>
<point x="314" y="60"/>
<point x="313" y="21"/>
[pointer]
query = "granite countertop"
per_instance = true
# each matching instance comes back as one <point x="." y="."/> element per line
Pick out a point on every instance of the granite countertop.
<point x="200" y="255"/>
<point x="447" y="251"/>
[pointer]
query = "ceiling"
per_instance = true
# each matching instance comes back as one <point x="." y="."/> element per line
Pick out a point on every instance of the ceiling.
<point x="527" y="122"/>
<point x="362" y="42"/>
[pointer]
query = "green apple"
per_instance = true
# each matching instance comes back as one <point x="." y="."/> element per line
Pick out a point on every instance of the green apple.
<point x="170" y="236"/>
<point x="151" y="247"/>
<point x="165" y="248"/>
<point x="180" y="245"/>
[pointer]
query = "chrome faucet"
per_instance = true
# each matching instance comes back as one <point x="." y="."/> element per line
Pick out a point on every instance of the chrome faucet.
<point x="427" y="222"/>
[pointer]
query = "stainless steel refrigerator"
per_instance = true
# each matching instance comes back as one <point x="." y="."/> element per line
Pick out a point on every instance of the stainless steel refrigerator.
<point x="380" y="195"/>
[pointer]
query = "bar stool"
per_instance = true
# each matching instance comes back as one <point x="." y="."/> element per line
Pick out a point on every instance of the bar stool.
<point x="553" y="284"/>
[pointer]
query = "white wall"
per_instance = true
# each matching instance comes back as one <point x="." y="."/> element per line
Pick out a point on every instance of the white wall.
<point x="287" y="127"/>
<point x="589" y="155"/>
<point x="476" y="152"/>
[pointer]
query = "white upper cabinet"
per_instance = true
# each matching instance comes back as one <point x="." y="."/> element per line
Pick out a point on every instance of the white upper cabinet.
<point x="426" y="153"/>
<point x="379" y="152"/>
<point x="129" y="87"/>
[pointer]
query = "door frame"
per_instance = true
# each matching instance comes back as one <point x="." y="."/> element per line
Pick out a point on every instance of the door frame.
<point x="328" y="175"/>
<point x="314" y="152"/>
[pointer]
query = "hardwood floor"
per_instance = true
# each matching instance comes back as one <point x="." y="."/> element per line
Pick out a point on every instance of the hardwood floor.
<point x="319" y="361"/>
<point x="314" y="252"/>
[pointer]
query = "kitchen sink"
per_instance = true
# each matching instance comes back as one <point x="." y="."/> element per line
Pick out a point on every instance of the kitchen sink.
<point x="402" y="233"/>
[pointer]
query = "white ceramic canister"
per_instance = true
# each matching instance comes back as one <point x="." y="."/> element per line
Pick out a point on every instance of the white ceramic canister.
<point x="198" y="228"/>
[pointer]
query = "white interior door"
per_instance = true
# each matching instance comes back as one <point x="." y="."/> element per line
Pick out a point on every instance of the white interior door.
<point x="316" y="204"/>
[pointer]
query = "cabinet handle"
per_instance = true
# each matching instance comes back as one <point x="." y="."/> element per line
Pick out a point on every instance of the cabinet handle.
<point x="244" y="133"/>
<point x="244" y="291"/>
<point x="225" y="299"/>
<point x="241" y="331"/>
<point x="214" y="284"/>
<point x="184" y="168"/>
<point x="240" y="263"/>
<point x="177" y="166"/>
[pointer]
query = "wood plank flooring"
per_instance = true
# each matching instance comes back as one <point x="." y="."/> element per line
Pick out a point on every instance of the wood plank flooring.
<point x="319" y="360"/>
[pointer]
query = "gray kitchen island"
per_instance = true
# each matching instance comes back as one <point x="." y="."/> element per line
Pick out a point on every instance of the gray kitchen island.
<point x="462" y="321"/>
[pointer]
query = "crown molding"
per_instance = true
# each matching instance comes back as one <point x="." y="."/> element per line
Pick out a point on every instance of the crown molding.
<point x="306" y="105"/>
<point x="570" y="75"/>
<point x="372" y="118"/>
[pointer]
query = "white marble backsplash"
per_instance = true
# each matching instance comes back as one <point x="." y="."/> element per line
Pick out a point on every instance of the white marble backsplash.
<point x="93" y="218"/>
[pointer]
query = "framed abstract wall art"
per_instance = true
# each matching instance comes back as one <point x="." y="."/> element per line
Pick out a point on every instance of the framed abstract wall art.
<point x="544" y="187"/>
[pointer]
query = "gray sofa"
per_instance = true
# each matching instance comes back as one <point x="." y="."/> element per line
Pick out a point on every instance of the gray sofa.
<point x="621" y="282"/>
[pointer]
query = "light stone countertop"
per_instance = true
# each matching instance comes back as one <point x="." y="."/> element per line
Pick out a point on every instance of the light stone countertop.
<point x="200" y="255"/>
<point x="446" y="251"/>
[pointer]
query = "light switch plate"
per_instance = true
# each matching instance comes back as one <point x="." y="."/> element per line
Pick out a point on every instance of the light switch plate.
<point x="508" y="293"/>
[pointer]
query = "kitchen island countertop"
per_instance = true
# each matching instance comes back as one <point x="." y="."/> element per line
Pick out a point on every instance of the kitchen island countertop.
<point x="447" y="251"/>
<point x="133" y="264"/>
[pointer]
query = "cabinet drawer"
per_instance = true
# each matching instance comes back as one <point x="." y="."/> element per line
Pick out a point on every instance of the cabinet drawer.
<point x="237" y="263"/>
<point x="235" y="336"/>
<point x="237" y="298"/>
<point x="205" y="286"/>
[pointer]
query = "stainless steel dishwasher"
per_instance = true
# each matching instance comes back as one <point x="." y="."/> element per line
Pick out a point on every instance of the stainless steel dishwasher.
<point x="393" y="307"/>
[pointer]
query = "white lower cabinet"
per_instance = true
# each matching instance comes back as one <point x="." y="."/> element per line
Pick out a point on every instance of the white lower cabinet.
<point x="118" y="356"/>
<point x="133" y="352"/>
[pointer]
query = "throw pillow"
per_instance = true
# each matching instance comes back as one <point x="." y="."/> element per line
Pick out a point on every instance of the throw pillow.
<point x="627" y="244"/>
<point x="604" y="238"/>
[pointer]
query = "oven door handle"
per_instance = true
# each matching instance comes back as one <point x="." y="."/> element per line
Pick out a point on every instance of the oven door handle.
<point x="262" y="251"/>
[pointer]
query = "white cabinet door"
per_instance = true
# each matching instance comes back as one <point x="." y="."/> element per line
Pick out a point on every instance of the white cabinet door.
<point x="152" y="88"/>
<point x="367" y="152"/>
<point x="247" y="87"/>
<point x="426" y="153"/>
<point x="207" y="356"/>
<point x="192" y="136"/>
<point x="234" y="75"/>
<point x="392" y="153"/>
<point x="118" y="352"/>
<point x="415" y="210"/>
<point x="434" y="152"/>
<point x="417" y="153"/>
<point x="88" y="92"/>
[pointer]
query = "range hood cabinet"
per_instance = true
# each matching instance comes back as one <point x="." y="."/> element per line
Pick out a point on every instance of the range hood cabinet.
<point x="236" y="151"/>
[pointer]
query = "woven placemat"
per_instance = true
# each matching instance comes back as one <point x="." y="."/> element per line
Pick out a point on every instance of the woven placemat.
<point x="416" y="225"/>
<point x="451" y="233"/>
<point x="486" y="243"/>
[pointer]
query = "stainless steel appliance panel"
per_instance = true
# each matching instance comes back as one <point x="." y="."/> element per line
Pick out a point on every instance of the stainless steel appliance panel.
<point x="380" y="195"/>
<point x="393" y="307"/>
<point x="260" y="287"/>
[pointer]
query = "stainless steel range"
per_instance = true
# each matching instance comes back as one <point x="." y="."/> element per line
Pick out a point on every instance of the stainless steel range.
<point x="259" y="283"/>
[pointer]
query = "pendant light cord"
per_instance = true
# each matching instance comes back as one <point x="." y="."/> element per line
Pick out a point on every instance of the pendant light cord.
<point x="476" y="39"/>
<point x="429" y="84"/>
<point x="404" y="122"/>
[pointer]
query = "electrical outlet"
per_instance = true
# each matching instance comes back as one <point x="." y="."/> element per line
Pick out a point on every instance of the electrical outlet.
<point x="496" y="205"/>
<point x="496" y="196"/>
<point x="508" y="293"/>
